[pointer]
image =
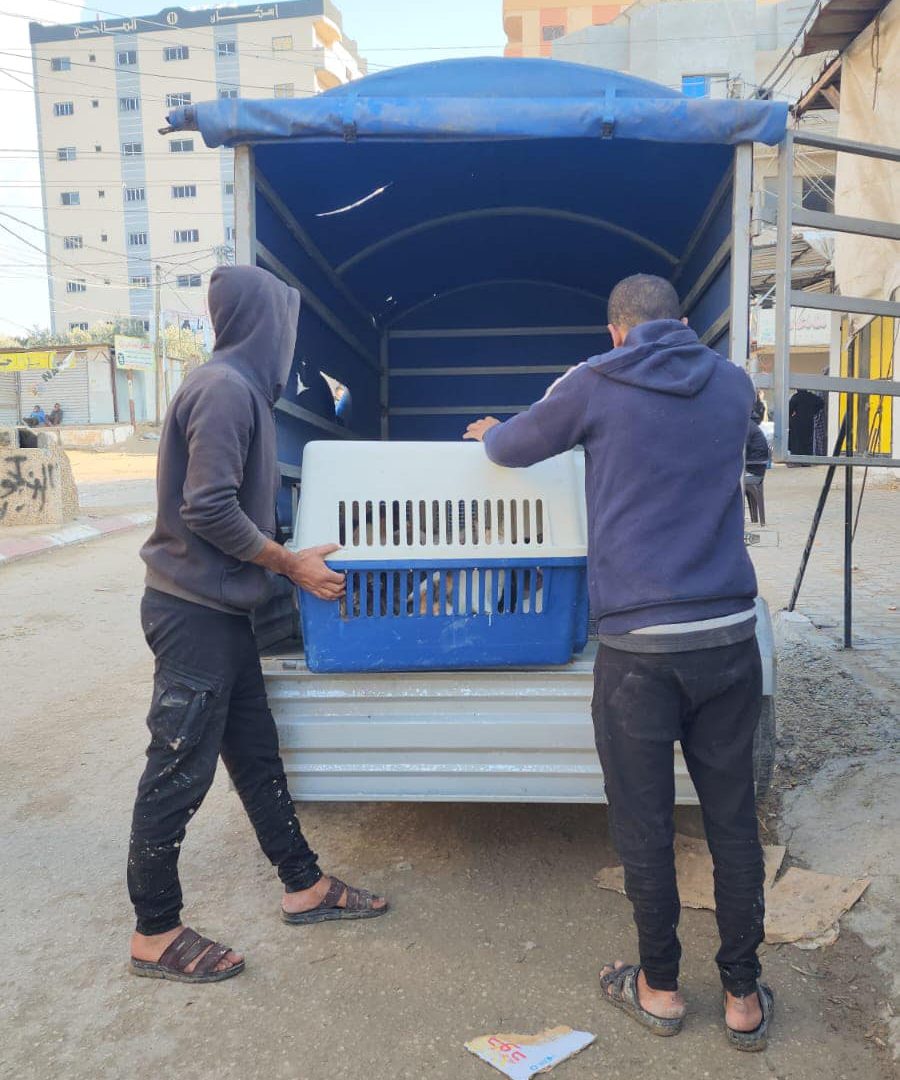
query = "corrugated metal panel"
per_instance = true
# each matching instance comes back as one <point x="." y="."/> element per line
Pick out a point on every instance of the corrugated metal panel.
<point x="70" y="387"/>
<point x="9" y="398"/>
<point x="451" y="736"/>
<point x="490" y="736"/>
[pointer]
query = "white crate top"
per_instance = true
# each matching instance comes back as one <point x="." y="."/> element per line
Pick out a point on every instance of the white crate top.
<point x="395" y="501"/>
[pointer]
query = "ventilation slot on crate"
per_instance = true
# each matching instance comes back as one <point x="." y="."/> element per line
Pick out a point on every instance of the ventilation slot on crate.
<point x="434" y="522"/>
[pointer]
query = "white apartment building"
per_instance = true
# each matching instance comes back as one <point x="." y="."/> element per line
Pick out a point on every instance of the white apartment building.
<point x="120" y="199"/>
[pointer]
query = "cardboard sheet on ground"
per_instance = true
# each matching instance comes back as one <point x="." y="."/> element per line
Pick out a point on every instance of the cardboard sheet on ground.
<point x="522" y="1056"/>
<point x="693" y="865"/>
<point x="802" y="906"/>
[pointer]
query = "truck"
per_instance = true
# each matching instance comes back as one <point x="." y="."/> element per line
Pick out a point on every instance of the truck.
<point x="454" y="229"/>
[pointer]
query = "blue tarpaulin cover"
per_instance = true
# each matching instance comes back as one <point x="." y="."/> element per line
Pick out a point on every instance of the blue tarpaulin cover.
<point x="490" y="98"/>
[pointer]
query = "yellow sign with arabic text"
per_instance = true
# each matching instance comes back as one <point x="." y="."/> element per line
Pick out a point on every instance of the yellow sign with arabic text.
<point x="27" y="361"/>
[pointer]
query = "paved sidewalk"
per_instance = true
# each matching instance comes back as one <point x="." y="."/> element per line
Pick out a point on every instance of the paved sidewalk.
<point x="791" y="497"/>
<point x="33" y="541"/>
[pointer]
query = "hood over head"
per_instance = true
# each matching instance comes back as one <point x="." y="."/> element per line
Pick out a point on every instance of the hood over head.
<point x="663" y="355"/>
<point x="254" y="316"/>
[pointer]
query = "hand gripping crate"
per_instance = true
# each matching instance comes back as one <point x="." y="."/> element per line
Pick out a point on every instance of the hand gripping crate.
<point x="451" y="562"/>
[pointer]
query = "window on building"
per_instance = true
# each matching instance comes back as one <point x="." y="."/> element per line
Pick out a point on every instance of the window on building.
<point x="92" y="58"/>
<point x="97" y="148"/>
<point x="63" y="108"/>
<point x="187" y="236"/>
<point x="184" y="191"/>
<point x="95" y="104"/>
<point x="103" y="237"/>
<point x="818" y="193"/>
<point x="76" y="286"/>
<point x="135" y="194"/>
<point x="66" y="153"/>
<point x="70" y="198"/>
<point x="229" y="232"/>
<point x="229" y="187"/>
<point x="551" y="33"/>
<point x="176" y="52"/>
<point x="137" y="239"/>
<point x="126" y="57"/>
<point x="228" y="92"/>
<point x="78" y="326"/>
<point x="226" y="48"/>
<point x="140" y="281"/>
<point x="282" y="43"/>
<point x="73" y="243"/>
<point x="132" y="149"/>
<point x="189" y="281"/>
<point x="181" y="146"/>
<point x="129" y="104"/>
<point x="284" y="89"/>
<point x="101" y="194"/>
<point x="60" y="63"/>
<point x="180" y="97"/>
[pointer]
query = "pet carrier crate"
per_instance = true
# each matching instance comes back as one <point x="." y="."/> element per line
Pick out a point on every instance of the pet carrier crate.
<point x="451" y="562"/>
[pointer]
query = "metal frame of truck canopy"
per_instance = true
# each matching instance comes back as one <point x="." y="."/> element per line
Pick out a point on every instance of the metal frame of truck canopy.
<point x="454" y="230"/>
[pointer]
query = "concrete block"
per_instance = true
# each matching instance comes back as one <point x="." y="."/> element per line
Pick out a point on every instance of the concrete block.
<point x="9" y="438"/>
<point x="36" y="487"/>
<point x="94" y="436"/>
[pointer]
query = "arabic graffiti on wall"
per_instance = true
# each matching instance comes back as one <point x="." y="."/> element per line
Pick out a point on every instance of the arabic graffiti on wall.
<point x="18" y="484"/>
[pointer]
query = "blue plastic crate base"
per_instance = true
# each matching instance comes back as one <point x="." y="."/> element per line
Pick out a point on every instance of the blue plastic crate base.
<point x="459" y="615"/>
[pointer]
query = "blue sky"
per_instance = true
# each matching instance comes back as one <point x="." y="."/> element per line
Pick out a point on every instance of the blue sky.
<point x="389" y="32"/>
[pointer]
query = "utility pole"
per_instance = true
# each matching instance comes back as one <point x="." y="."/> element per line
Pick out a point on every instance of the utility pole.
<point x="157" y="340"/>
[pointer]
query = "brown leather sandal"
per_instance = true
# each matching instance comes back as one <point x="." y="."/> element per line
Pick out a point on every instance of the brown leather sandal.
<point x="359" y="906"/>
<point x="181" y="953"/>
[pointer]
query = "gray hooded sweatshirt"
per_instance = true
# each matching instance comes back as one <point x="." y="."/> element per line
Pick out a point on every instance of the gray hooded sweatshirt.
<point x="217" y="477"/>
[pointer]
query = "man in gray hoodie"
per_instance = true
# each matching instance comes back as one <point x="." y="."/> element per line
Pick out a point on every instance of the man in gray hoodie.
<point x="211" y="560"/>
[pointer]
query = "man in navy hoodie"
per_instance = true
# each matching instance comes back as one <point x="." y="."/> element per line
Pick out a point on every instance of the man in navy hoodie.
<point x="673" y="589"/>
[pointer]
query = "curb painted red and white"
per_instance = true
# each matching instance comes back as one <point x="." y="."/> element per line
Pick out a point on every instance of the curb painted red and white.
<point x="20" y="547"/>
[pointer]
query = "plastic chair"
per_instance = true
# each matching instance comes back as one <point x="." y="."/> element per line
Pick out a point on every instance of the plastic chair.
<point x="756" y="503"/>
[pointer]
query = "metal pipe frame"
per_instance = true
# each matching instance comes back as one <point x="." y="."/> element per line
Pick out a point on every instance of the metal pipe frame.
<point x="818" y="219"/>
<point x="741" y="235"/>
<point x="245" y="206"/>
<point x="299" y="413"/>
<point x="495" y="331"/>
<point x="847" y="146"/>
<point x="307" y="243"/>
<point x="783" y="381"/>
<point x="318" y="306"/>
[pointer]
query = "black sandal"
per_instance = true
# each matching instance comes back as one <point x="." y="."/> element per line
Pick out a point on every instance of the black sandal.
<point x="752" y="1042"/>
<point x="359" y="905"/>
<point x="619" y="987"/>
<point x="179" y="955"/>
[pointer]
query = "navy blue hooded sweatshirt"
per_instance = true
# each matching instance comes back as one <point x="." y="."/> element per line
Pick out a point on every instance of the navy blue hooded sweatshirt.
<point x="663" y="421"/>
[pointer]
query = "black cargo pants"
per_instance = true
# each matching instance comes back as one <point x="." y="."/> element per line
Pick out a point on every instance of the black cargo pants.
<point x="709" y="701"/>
<point x="209" y="699"/>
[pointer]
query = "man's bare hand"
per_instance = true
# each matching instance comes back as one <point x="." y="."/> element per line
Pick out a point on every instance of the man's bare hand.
<point x="309" y="570"/>
<point x="478" y="428"/>
<point x="306" y="568"/>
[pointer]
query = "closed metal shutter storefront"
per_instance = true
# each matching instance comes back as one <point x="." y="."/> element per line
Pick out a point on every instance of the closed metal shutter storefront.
<point x="9" y="398"/>
<point x="70" y="387"/>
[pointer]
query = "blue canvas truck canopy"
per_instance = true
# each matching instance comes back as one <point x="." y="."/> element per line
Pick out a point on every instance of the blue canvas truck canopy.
<point x="454" y="230"/>
<point x="479" y="195"/>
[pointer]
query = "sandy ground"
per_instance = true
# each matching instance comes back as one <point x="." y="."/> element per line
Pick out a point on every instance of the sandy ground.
<point x="116" y="481"/>
<point x="496" y="924"/>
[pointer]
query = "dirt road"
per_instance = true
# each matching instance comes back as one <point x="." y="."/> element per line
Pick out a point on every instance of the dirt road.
<point x="496" y="923"/>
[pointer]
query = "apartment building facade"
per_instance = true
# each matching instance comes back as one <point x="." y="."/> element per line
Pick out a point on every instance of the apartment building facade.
<point x="120" y="199"/>
<point x="532" y="26"/>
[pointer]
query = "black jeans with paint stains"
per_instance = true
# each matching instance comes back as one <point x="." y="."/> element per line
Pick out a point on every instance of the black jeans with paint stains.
<point x="209" y="699"/>
<point x="709" y="700"/>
